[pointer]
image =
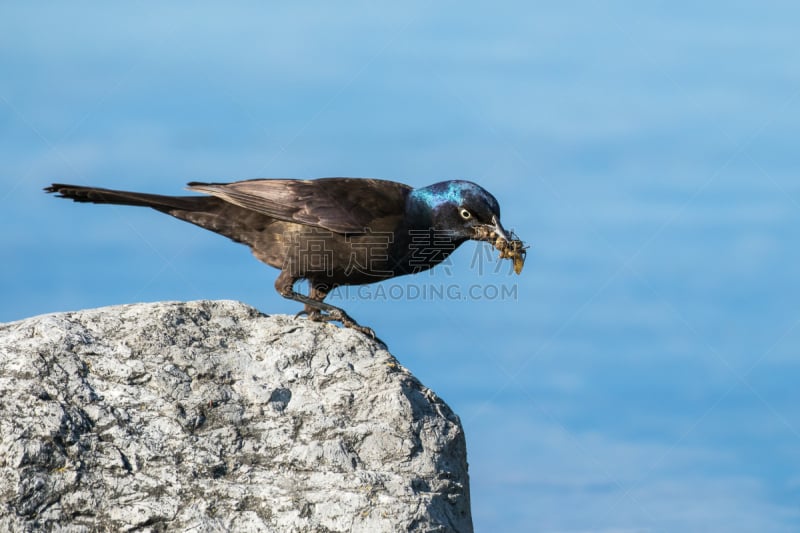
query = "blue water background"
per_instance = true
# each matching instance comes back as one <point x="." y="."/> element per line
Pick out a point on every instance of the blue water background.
<point x="642" y="377"/>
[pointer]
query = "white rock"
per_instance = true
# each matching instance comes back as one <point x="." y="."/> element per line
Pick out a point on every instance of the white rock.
<point x="208" y="416"/>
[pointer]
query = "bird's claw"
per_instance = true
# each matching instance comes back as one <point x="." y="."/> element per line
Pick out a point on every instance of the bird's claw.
<point x="339" y="315"/>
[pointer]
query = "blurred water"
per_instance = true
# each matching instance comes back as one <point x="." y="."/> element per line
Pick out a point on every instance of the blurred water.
<point x="644" y="379"/>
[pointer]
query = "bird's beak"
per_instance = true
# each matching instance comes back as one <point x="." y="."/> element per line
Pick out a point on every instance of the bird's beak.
<point x="509" y="245"/>
<point x="490" y="232"/>
<point x="498" y="229"/>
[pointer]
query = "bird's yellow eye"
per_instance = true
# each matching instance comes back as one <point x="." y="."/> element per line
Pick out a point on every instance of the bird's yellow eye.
<point x="465" y="214"/>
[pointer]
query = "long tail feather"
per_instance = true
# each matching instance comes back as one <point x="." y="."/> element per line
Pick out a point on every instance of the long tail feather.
<point x="96" y="195"/>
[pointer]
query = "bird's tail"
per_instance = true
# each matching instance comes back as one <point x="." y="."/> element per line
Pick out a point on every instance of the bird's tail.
<point x="97" y="195"/>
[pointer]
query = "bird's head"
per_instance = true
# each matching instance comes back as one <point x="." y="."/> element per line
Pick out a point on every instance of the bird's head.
<point x="462" y="209"/>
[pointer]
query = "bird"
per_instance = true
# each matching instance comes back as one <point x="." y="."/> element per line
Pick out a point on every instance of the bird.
<point x="332" y="232"/>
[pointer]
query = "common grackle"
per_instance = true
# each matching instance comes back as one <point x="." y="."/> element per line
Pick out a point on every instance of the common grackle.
<point x="332" y="231"/>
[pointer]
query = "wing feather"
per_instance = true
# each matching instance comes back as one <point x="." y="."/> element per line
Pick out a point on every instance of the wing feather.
<point x="342" y="205"/>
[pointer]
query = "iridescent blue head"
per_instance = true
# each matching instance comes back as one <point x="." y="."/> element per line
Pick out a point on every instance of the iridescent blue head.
<point x="462" y="208"/>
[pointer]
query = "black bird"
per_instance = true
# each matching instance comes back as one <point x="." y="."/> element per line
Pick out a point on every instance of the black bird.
<point x="332" y="231"/>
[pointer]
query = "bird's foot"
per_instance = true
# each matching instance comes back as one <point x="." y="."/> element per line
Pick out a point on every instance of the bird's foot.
<point x="352" y="324"/>
<point x="338" y="315"/>
<point x="318" y="311"/>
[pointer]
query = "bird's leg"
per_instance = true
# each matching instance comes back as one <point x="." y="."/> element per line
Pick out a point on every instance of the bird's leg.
<point x="317" y="293"/>
<point x="314" y="306"/>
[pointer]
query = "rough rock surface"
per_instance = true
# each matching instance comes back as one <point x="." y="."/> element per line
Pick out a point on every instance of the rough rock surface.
<point x="209" y="416"/>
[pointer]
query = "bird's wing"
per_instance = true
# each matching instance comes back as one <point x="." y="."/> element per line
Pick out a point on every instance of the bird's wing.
<point x="342" y="205"/>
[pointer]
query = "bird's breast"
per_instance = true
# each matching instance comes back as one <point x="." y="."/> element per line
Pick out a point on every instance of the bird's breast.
<point x="354" y="259"/>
